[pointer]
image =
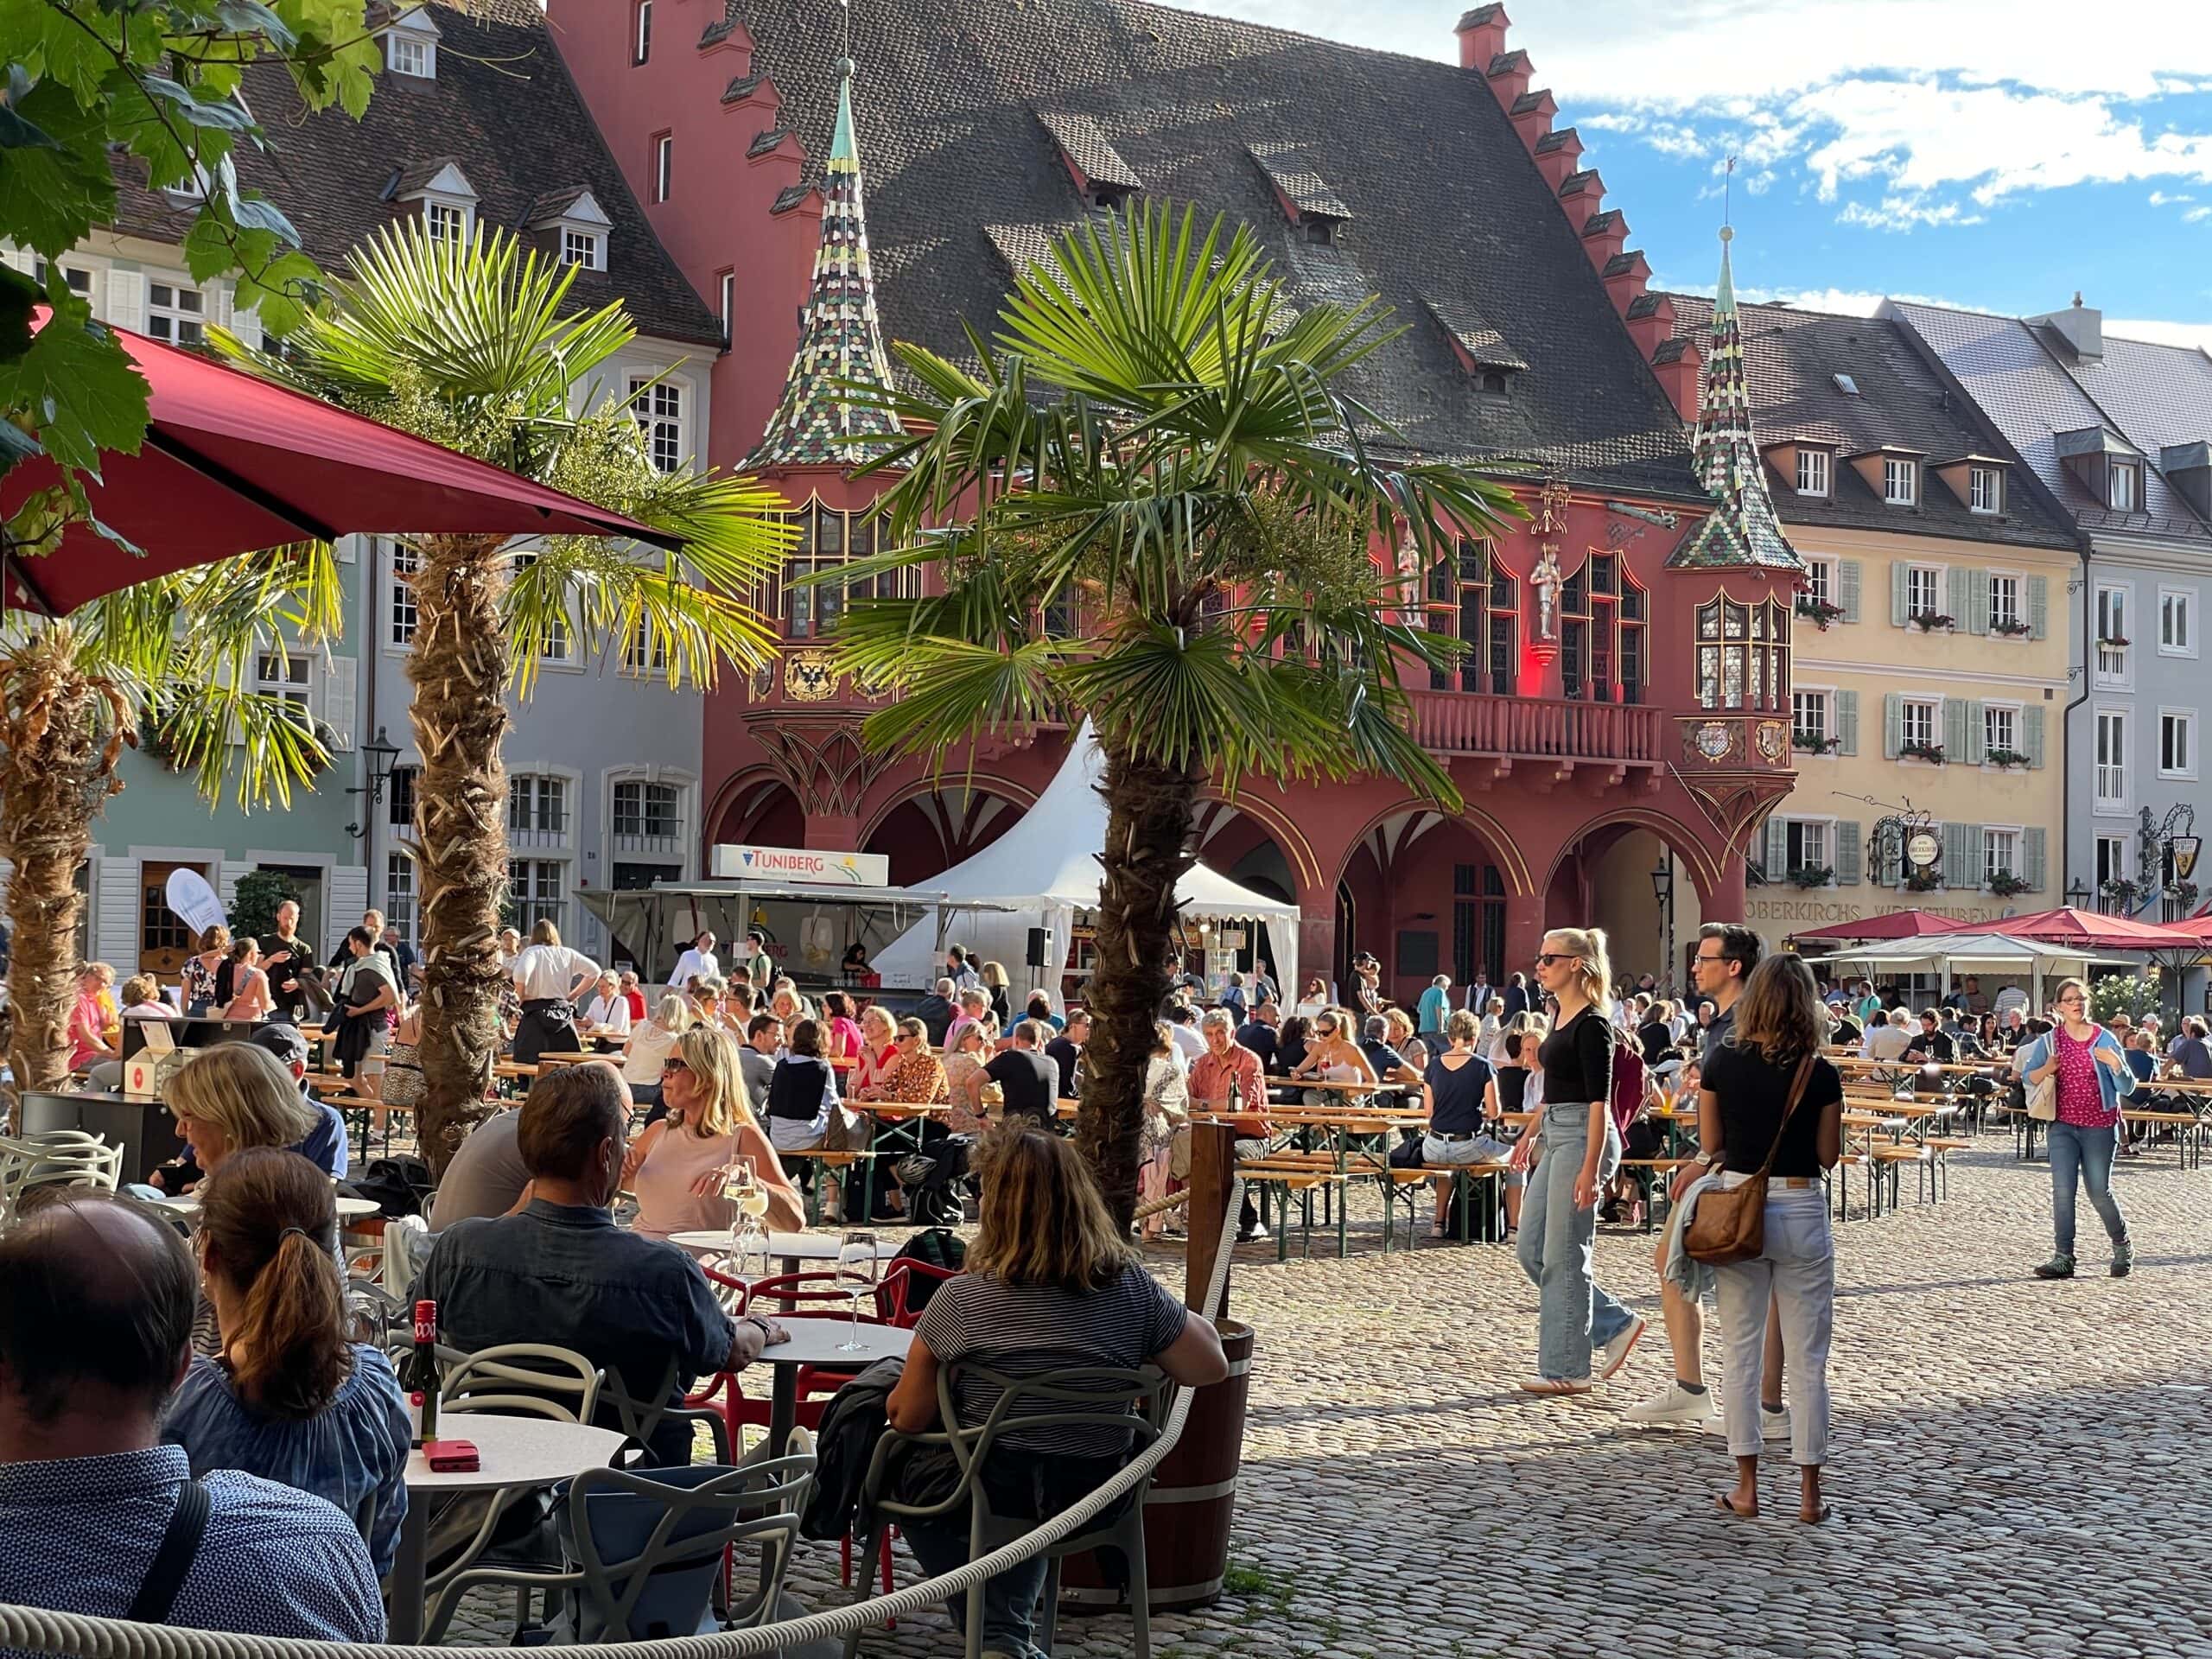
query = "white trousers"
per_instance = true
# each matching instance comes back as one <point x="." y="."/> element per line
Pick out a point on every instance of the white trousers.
<point x="1797" y="1270"/>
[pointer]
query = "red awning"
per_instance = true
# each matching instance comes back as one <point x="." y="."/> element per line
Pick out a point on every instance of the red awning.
<point x="232" y="464"/>
<point x="2089" y="930"/>
<point x="1892" y="924"/>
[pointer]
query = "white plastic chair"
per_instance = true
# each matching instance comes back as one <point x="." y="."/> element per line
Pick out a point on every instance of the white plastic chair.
<point x="60" y="1158"/>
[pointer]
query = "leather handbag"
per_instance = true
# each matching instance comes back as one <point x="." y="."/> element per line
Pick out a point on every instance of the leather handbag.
<point x="1730" y="1224"/>
<point x="2043" y="1097"/>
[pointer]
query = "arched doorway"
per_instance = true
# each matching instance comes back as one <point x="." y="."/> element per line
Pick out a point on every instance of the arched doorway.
<point x="761" y="810"/>
<point x="928" y="832"/>
<point x="1424" y="895"/>
<point x="1638" y="880"/>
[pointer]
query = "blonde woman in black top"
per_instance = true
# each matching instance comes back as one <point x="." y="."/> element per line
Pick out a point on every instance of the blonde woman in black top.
<point x="1577" y="1323"/>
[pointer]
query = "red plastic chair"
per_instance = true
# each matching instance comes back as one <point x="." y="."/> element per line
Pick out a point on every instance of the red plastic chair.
<point x="899" y="1286"/>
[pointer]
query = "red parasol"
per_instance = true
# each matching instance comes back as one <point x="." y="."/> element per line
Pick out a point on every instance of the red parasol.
<point x="232" y="464"/>
<point x="2089" y="930"/>
<point x="1892" y="924"/>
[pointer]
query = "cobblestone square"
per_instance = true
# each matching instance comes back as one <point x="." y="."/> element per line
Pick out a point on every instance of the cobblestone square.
<point x="2018" y="1466"/>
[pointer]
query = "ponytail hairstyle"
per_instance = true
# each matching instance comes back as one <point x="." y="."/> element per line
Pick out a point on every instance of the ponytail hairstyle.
<point x="266" y="1219"/>
<point x="1593" y="968"/>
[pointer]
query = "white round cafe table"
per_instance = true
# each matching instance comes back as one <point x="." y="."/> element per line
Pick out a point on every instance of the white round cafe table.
<point x="349" y="1209"/>
<point x="790" y="1247"/>
<point x="511" y="1452"/>
<point x="814" y="1342"/>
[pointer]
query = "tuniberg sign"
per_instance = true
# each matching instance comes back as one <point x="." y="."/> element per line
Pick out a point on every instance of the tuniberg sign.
<point x="737" y="862"/>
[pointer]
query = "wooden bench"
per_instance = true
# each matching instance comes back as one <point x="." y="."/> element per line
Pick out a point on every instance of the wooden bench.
<point x="1305" y="1179"/>
<point x="1650" y="1173"/>
<point x="809" y="1171"/>
<point x="2188" y="1130"/>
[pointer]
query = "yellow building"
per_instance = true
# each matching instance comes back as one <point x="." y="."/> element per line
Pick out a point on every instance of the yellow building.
<point x="1929" y="672"/>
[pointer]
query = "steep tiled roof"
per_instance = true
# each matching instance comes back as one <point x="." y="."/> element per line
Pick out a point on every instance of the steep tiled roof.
<point x="1299" y="179"/>
<point x="503" y="109"/>
<point x="1486" y="347"/>
<point x="1791" y="358"/>
<point x="2032" y="396"/>
<point x="1445" y="200"/>
<point x="1087" y="145"/>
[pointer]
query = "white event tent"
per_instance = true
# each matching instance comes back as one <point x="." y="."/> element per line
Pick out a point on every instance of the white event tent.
<point x="1044" y="873"/>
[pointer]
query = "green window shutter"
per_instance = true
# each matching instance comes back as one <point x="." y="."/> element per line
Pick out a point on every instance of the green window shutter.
<point x="1976" y="749"/>
<point x="1900" y="594"/>
<point x="1846" y="723"/>
<point x="2038" y="606"/>
<point x="1892" y="723"/>
<point x="1848" y="573"/>
<point x="1955" y="729"/>
<point x="2032" y="735"/>
<point x="1976" y="619"/>
<point x="2032" y="855"/>
<point x="1850" y="854"/>
<point x="1961" y="856"/>
<point x="1777" y="850"/>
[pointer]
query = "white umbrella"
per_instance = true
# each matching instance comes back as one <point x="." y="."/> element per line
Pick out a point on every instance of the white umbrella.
<point x="1994" y="953"/>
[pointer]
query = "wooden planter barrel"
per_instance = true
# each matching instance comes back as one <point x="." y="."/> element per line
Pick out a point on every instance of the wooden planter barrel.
<point x="1190" y="1505"/>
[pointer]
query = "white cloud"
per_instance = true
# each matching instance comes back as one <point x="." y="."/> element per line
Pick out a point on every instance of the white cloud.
<point x="2198" y="334"/>
<point x="1906" y="214"/>
<point x="2197" y="215"/>
<point x="2161" y="199"/>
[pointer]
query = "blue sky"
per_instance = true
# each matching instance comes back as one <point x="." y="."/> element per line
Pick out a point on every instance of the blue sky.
<point x="1992" y="154"/>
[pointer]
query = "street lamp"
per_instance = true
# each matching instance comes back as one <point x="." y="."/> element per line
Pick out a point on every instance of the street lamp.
<point x="1663" y="893"/>
<point x="2077" y="895"/>
<point x="381" y="754"/>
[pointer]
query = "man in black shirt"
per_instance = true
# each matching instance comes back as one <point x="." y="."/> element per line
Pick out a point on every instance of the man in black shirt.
<point x="288" y="961"/>
<point x="1726" y="953"/>
<point x="1258" y="1034"/>
<point x="935" y="1011"/>
<point x="1065" y="1050"/>
<point x="1025" y="1078"/>
<point x="1933" y="1043"/>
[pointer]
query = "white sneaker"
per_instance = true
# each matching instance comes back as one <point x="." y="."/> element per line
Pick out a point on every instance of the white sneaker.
<point x="1774" y="1424"/>
<point x="1672" y="1404"/>
<point x="1614" y="1354"/>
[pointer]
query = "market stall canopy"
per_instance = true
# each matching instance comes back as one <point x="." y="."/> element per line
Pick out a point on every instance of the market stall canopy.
<point x="1891" y="924"/>
<point x="232" y="464"/>
<point x="1045" y="869"/>
<point x="820" y="919"/>
<point x="2089" y="930"/>
<point x="1999" y="954"/>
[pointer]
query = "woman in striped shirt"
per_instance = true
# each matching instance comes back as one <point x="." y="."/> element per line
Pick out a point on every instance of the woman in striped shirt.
<point x="1050" y="1284"/>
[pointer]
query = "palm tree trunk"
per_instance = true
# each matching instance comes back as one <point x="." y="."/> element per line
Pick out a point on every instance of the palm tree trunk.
<point x="56" y="770"/>
<point x="1150" y="810"/>
<point x="459" y="669"/>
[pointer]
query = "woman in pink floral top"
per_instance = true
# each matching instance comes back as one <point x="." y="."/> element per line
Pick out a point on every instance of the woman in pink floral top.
<point x="2093" y="1076"/>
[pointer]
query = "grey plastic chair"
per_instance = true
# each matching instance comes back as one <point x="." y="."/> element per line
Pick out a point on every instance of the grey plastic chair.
<point x="644" y="1549"/>
<point x="642" y="1419"/>
<point x="1077" y="1396"/>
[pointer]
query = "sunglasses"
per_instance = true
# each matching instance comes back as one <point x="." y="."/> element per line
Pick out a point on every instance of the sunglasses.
<point x="1550" y="957"/>
<point x="672" y="1064"/>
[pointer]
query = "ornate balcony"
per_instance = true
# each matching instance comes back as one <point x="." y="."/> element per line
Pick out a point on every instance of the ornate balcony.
<point x="1542" y="741"/>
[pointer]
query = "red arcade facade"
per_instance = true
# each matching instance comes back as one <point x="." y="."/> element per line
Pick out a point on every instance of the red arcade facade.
<point x="1623" y="704"/>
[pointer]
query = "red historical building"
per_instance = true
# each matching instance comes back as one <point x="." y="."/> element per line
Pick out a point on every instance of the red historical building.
<point x="1625" y="700"/>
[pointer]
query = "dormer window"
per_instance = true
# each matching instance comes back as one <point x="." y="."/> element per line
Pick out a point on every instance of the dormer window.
<point x="581" y="248"/>
<point x="1306" y="199"/>
<point x="1319" y="230"/>
<point x="1900" y="481"/>
<point x="447" y="221"/>
<point x="1985" y="489"/>
<point x="1099" y="171"/>
<point x="410" y="44"/>
<point x="574" y="225"/>
<point x="1496" y="384"/>
<point x="2126" y="482"/>
<point x="1811" y="472"/>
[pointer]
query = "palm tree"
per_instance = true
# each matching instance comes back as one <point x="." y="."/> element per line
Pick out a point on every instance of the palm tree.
<point x="472" y="345"/>
<point x="1200" y="493"/>
<point x="174" y="656"/>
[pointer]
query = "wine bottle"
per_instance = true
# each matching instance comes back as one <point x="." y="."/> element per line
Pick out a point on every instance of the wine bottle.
<point x="419" y="1376"/>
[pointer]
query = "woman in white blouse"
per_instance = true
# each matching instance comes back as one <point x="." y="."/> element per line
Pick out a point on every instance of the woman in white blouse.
<point x="650" y="1043"/>
<point x="606" y="1016"/>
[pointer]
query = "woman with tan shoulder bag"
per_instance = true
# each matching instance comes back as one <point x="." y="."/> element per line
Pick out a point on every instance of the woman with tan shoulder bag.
<point x="1771" y="1119"/>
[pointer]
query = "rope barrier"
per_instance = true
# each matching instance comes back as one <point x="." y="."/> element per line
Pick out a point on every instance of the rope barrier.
<point x="1161" y="1206"/>
<point x="76" y="1635"/>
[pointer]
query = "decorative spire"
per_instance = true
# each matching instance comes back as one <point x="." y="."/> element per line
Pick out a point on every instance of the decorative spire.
<point x="818" y="423"/>
<point x="1742" y="528"/>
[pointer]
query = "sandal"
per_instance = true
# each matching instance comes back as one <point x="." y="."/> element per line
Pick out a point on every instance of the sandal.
<point x="1726" y="1504"/>
<point x="1828" y="1512"/>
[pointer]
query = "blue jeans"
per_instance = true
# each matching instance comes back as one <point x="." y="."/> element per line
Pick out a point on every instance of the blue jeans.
<point x="2089" y="1153"/>
<point x="1574" y="1315"/>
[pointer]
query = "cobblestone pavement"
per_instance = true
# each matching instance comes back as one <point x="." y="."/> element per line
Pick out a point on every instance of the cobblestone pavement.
<point x="2018" y="1467"/>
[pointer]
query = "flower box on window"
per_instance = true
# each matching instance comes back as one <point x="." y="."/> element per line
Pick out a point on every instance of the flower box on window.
<point x="1929" y="752"/>
<point x="2181" y="892"/>
<point x="1819" y="611"/>
<point x="1812" y="875"/>
<point x="2116" y="643"/>
<point x="1925" y="881"/>
<point x="1928" y="621"/>
<point x="2002" y="758"/>
<point x="2012" y="627"/>
<point x="2121" y="891"/>
<point x="2006" y="884"/>
<point x="1814" y="743"/>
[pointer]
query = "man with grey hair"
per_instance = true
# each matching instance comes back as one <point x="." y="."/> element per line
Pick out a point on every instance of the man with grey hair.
<point x="1389" y="1065"/>
<point x="1226" y="1080"/>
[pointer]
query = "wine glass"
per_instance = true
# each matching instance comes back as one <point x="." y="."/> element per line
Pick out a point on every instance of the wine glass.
<point x="856" y="1278"/>
<point x="748" y="1200"/>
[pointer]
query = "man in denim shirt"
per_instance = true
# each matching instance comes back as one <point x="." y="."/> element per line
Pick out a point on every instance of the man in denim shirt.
<point x="559" y="1271"/>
